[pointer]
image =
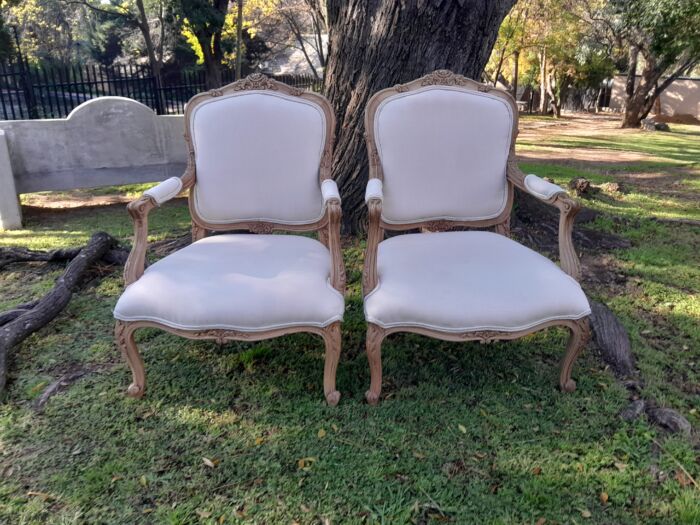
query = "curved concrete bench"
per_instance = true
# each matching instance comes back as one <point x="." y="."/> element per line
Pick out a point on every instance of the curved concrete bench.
<point x="103" y="142"/>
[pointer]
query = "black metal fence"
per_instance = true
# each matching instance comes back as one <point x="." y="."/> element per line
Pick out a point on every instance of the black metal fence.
<point x="32" y="92"/>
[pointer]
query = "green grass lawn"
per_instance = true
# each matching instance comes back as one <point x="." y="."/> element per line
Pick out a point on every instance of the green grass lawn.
<point x="466" y="433"/>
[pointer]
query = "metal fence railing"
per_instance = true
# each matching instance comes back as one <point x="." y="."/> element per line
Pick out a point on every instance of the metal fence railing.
<point x="32" y="92"/>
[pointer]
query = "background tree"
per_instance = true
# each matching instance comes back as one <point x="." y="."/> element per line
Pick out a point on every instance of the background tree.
<point x="374" y="44"/>
<point x="666" y="35"/>
<point x="205" y="19"/>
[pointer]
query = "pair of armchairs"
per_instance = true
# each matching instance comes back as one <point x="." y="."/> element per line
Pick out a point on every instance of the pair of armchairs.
<point x="441" y="152"/>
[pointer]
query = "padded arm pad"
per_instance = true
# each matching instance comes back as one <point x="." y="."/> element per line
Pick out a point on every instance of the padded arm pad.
<point x="165" y="191"/>
<point x="540" y="188"/>
<point x="375" y="190"/>
<point x="329" y="190"/>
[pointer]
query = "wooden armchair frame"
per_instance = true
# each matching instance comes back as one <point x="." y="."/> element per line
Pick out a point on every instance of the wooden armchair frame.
<point x="327" y="228"/>
<point x="579" y="329"/>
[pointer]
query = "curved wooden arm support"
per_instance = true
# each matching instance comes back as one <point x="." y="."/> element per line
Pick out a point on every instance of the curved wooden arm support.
<point x="568" y="209"/>
<point x="375" y="234"/>
<point x="332" y="237"/>
<point x="139" y="210"/>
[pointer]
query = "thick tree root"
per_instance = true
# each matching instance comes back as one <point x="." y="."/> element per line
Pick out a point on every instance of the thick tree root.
<point x="26" y="321"/>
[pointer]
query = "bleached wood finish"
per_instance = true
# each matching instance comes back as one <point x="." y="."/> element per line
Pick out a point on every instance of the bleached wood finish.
<point x="328" y="229"/>
<point x="580" y="331"/>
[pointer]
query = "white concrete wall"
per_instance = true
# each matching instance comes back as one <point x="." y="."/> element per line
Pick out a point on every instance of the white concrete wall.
<point x="104" y="141"/>
<point x="682" y="97"/>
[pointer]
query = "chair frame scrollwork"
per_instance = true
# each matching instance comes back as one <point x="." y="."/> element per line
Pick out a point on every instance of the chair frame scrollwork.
<point x="327" y="229"/>
<point x="568" y="207"/>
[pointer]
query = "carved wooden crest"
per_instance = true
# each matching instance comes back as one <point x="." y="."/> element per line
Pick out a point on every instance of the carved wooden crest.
<point x="255" y="81"/>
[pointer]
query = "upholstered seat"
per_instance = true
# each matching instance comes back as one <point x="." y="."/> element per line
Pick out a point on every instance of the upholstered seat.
<point x="237" y="282"/>
<point x="467" y="282"/>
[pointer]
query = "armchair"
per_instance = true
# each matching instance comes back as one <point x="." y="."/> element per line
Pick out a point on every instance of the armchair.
<point x="259" y="161"/>
<point x="442" y="156"/>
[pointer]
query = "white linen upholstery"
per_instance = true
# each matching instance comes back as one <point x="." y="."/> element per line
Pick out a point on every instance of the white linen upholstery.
<point x="469" y="281"/>
<point x="257" y="156"/>
<point x="329" y="190"/>
<point x="443" y="152"/>
<point x="165" y="191"/>
<point x="239" y="282"/>
<point x="541" y="188"/>
<point x="375" y="190"/>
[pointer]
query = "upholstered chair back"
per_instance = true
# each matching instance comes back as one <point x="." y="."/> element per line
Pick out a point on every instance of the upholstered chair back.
<point x="257" y="154"/>
<point x="442" y="152"/>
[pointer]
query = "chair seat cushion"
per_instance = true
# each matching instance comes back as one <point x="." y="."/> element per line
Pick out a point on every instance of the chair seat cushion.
<point x="239" y="282"/>
<point x="469" y="281"/>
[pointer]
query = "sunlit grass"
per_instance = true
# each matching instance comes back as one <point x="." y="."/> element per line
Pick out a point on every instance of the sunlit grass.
<point x="467" y="433"/>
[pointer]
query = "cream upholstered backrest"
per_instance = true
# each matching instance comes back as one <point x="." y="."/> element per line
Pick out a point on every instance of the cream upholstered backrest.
<point x="257" y="153"/>
<point x="442" y="151"/>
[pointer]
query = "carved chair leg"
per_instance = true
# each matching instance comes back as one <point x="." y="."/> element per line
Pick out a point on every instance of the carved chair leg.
<point x="124" y="334"/>
<point x="332" y="338"/>
<point x="375" y="335"/>
<point x="580" y="334"/>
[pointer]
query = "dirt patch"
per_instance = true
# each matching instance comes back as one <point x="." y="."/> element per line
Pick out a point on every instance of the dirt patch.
<point x="589" y="156"/>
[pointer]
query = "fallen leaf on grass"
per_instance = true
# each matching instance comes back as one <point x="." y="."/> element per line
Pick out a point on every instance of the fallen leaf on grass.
<point x="620" y="466"/>
<point x="585" y="513"/>
<point x="211" y="463"/>
<point x="462" y="429"/>
<point x="203" y="513"/>
<point x="682" y="479"/>
<point x="305" y="463"/>
<point x="321" y="433"/>
<point x="334" y="427"/>
<point x="259" y="440"/>
<point x="603" y="496"/>
<point x="537" y="471"/>
<point x="541" y="521"/>
<point x="42" y="495"/>
<point x="143" y="481"/>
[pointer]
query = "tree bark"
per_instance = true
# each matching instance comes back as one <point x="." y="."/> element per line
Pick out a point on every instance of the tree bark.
<point x="375" y="44"/>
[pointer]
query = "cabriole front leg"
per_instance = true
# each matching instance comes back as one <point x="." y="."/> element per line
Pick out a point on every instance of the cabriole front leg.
<point x="124" y="335"/>
<point x="375" y="336"/>
<point x="332" y="338"/>
<point x="580" y="335"/>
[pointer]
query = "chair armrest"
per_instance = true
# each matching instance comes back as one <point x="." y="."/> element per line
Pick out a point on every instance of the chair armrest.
<point x="540" y="188"/>
<point x="165" y="191"/>
<point x="329" y="191"/>
<point x="139" y="210"/>
<point x="568" y="208"/>
<point x="374" y="196"/>
<point x="331" y="237"/>
<point x="375" y="190"/>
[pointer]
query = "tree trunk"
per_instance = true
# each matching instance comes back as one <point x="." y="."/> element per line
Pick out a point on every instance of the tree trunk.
<point x="631" y="71"/>
<point x="212" y="63"/>
<point x="375" y="44"/>
<point x="239" y="40"/>
<point x="516" y="59"/>
<point x="543" y="81"/>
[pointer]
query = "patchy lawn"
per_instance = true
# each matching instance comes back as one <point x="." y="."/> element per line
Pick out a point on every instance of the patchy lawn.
<point x="467" y="433"/>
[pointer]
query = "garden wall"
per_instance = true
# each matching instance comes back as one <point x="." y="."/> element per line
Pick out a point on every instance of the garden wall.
<point x="104" y="141"/>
